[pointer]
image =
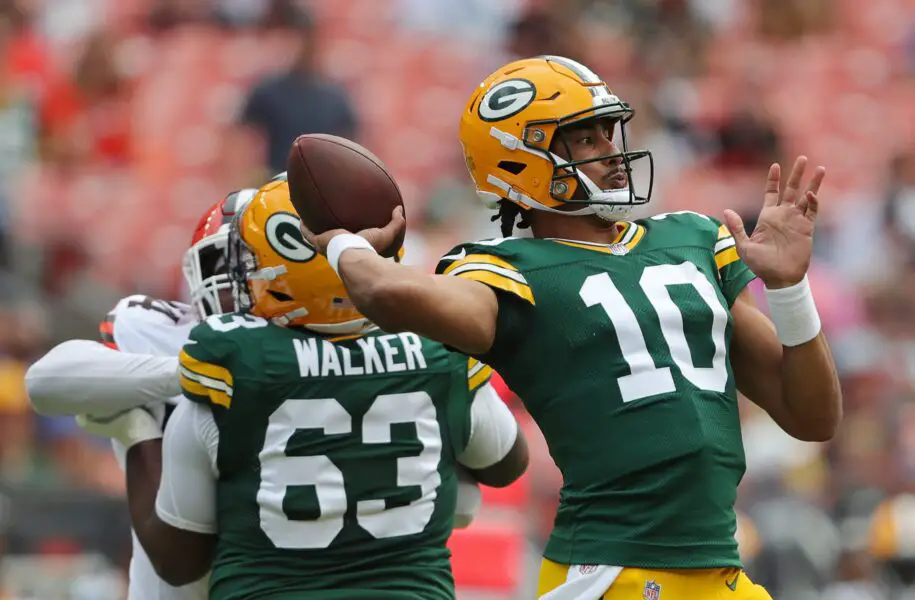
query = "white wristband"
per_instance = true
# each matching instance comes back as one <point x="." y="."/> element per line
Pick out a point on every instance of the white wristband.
<point x="340" y="244"/>
<point x="794" y="313"/>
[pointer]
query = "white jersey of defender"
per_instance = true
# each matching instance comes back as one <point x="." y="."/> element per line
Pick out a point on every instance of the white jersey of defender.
<point x="142" y="325"/>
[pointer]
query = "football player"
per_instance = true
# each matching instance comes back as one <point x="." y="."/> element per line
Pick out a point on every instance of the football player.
<point x="316" y="456"/>
<point x="627" y="340"/>
<point x="82" y="376"/>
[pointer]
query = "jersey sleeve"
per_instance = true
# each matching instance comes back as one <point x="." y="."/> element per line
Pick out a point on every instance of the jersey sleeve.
<point x="146" y="325"/>
<point x="203" y="366"/>
<point x="489" y="264"/>
<point x="187" y="491"/>
<point x="493" y="263"/>
<point x="733" y="273"/>
<point x="471" y="375"/>
<point x="493" y="430"/>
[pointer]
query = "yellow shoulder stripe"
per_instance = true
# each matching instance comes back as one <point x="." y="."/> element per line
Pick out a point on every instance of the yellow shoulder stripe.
<point x="726" y="257"/>
<point x="494" y="272"/>
<point x="477" y="374"/>
<point x="205" y="379"/>
<point x="485" y="259"/>
<point x="725" y="248"/>
<point x="499" y="282"/>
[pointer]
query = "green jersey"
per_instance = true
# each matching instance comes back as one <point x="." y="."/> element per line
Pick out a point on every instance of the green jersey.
<point x="620" y="354"/>
<point x="336" y="459"/>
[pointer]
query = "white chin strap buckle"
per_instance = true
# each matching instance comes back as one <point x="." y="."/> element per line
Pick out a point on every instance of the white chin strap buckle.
<point x="268" y="273"/>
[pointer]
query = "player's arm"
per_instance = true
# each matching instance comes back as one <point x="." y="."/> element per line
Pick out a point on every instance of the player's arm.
<point x="797" y="385"/>
<point x="179" y="546"/>
<point x="81" y="376"/>
<point x="171" y="493"/>
<point x="496" y="453"/>
<point x="456" y="311"/>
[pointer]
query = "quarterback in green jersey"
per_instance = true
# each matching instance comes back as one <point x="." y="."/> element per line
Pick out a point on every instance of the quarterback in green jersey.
<point x="627" y="340"/>
<point x="315" y="457"/>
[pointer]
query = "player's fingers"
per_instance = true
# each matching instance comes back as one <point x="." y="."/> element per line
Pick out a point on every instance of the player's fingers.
<point x="735" y="225"/>
<point x="818" y="174"/>
<point x="813" y="206"/>
<point x="307" y="234"/>
<point x="794" y="180"/>
<point x="772" y="182"/>
<point x="397" y="223"/>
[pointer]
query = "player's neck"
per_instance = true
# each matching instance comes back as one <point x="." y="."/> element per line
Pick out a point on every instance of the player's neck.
<point x="583" y="228"/>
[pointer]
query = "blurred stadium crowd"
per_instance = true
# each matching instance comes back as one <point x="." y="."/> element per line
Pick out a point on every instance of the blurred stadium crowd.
<point x="122" y="120"/>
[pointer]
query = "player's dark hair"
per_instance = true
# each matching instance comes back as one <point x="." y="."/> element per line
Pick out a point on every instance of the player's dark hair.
<point x="508" y="213"/>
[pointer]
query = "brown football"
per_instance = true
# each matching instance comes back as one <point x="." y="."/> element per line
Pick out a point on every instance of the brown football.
<point x="334" y="183"/>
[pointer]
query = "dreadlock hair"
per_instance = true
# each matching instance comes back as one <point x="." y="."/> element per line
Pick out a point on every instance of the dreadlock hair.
<point x="508" y="213"/>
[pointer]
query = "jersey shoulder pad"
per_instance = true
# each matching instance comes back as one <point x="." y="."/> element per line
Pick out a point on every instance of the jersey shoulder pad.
<point x="220" y="337"/>
<point x="696" y="229"/>
<point x="688" y="228"/>
<point x="499" y="263"/>
<point x="147" y="325"/>
<point x="686" y="218"/>
<point x="206" y="361"/>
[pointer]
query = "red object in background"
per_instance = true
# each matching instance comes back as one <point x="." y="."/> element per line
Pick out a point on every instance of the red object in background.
<point x="102" y="128"/>
<point x="515" y="496"/>
<point x="26" y="61"/>
<point x="487" y="557"/>
<point x="501" y="388"/>
<point x="58" y="546"/>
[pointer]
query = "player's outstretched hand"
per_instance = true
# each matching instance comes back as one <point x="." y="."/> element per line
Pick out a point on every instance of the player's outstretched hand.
<point x="381" y="238"/>
<point x="780" y="247"/>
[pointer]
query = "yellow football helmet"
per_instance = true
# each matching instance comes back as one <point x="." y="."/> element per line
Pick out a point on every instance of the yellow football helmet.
<point x="278" y="276"/>
<point x="511" y="122"/>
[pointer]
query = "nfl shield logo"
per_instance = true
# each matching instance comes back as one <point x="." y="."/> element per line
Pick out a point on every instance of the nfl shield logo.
<point x="652" y="590"/>
<point x="619" y="249"/>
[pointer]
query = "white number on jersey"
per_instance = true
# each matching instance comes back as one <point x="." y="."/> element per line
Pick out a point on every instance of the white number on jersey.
<point x="279" y="471"/>
<point x="224" y="323"/>
<point x="646" y="378"/>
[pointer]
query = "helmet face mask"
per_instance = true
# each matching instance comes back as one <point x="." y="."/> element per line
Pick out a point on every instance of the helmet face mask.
<point x="206" y="271"/>
<point x="587" y="192"/>
<point x="241" y="262"/>
<point x="516" y="118"/>
<point x="205" y="263"/>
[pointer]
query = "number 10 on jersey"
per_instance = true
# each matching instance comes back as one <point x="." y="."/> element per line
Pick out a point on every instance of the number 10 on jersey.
<point x="647" y="378"/>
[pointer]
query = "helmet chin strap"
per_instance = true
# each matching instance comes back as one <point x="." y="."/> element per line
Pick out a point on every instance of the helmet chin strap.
<point x="609" y="212"/>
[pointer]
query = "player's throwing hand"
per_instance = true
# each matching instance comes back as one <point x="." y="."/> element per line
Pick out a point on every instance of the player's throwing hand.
<point x="381" y="239"/>
<point x="779" y="248"/>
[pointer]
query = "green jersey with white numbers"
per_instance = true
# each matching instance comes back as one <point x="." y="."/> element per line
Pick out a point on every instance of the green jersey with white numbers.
<point x="336" y="459"/>
<point x="620" y="354"/>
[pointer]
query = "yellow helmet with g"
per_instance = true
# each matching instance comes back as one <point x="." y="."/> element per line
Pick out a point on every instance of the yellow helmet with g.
<point x="278" y="276"/>
<point x="512" y="121"/>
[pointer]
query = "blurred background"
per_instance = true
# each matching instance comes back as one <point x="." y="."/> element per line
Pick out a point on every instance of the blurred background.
<point x="122" y="120"/>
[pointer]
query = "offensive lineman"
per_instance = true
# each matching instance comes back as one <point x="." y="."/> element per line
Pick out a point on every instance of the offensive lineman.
<point x="626" y="340"/>
<point x="81" y="376"/>
<point x="316" y="456"/>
